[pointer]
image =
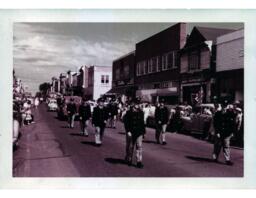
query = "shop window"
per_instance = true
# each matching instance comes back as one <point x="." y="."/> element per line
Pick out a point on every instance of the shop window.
<point x="156" y="85"/>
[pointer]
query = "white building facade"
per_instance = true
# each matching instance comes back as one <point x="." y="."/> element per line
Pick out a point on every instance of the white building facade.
<point x="99" y="81"/>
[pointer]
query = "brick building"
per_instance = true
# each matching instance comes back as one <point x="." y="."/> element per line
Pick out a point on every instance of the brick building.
<point x="198" y="65"/>
<point x="123" y="70"/>
<point x="157" y="65"/>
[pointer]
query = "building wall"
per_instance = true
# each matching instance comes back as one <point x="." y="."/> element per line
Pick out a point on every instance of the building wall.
<point x="160" y="52"/>
<point x="230" y="51"/>
<point x="100" y="88"/>
<point x="74" y="80"/>
<point x="230" y="66"/>
<point x="204" y="59"/>
<point x="123" y="70"/>
<point x="169" y="40"/>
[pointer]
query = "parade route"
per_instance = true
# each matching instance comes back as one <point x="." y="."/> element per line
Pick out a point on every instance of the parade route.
<point x="48" y="148"/>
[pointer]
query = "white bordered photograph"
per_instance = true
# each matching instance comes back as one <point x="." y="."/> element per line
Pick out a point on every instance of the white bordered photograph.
<point x="116" y="98"/>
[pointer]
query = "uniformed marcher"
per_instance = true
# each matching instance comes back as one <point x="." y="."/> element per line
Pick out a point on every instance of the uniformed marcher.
<point x="135" y="129"/>
<point x="224" y="125"/>
<point x="112" y="114"/>
<point x="99" y="120"/>
<point x="71" y="109"/>
<point x="162" y="119"/>
<point x="85" y="115"/>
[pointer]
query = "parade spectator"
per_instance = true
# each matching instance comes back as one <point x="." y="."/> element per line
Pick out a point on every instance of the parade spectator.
<point x="36" y="102"/>
<point x="146" y="111"/>
<point x="112" y="114"/>
<point x="99" y="120"/>
<point x="239" y="127"/>
<point x="176" y="120"/>
<point x="135" y="129"/>
<point x="224" y="125"/>
<point x="162" y="118"/>
<point x="84" y="115"/>
<point x="71" y="110"/>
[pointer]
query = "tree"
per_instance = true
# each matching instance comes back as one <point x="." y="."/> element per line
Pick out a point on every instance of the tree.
<point x="44" y="87"/>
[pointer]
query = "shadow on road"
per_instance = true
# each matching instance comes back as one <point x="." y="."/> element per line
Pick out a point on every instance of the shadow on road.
<point x="122" y="133"/>
<point x="88" y="143"/>
<point x="149" y="141"/>
<point x="200" y="159"/>
<point x="65" y="127"/>
<point x="115" y="161"/>
<point x="77" y="134"/>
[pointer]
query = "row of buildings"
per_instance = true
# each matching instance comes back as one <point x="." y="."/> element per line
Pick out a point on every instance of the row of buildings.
<point x="91" y="82"/>
<point x="204" y="66"/>
<point x="19" y="89"/>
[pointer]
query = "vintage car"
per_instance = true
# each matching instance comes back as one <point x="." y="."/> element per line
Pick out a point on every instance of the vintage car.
<point x="199" y="121"/>
<point x="52" y="105"/>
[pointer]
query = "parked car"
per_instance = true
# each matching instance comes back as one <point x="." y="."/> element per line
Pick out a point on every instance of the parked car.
<point x="199" y="121"/>
<point x="52" y="105"/>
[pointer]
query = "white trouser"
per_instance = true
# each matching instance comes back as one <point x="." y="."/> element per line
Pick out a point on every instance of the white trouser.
<point x="99" y="131"/>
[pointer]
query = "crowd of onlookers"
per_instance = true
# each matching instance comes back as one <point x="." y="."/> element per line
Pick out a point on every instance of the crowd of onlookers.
<point x="23" y="114"/>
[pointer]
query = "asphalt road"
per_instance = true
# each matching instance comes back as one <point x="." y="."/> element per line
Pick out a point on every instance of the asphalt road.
<point x="48" y="148"/>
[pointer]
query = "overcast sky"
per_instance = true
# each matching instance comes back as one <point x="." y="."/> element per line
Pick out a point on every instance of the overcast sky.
<point x="44" y="50"/>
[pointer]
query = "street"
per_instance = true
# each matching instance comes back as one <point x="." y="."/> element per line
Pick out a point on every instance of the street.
<point x="48" y="148"/>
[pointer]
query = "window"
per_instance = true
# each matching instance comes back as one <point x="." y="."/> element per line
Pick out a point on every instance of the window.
<point x="126" y="71"/>
<point x="138" y="69"/>
<point x="158" y="63"/>
<point x="117" y="73"/>
<point x="144" y="67"/>
<point x="153" y="63"/>
<point x="156" y="85"/>
<point x="169" y="60"/>
<point x="104" y="79"/>
<point x="241" y="53"/>
<point x="164" y="62"/>
<point x="141" y="68"/>
<point x="107" y="79"/>
<point x="193" y="61"/>
<point x="150" y="68"/>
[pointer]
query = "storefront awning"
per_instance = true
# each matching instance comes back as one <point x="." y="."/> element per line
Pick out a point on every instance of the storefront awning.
<point x="119" y="90"/>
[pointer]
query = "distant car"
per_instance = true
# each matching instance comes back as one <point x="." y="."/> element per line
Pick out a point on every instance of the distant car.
<point x="52" y="105"/>
<point x="200" y="120"/>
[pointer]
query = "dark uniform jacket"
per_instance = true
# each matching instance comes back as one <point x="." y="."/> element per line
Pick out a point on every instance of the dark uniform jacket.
<point x="134" y="123"/>
<point x="112" y="110"/>
<point x="71" y="107"/>
<point x="162" y="114"/>
<point x="99" y="116"/>
<point x="85" y="112"/>
<point x="224" y="123"/>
